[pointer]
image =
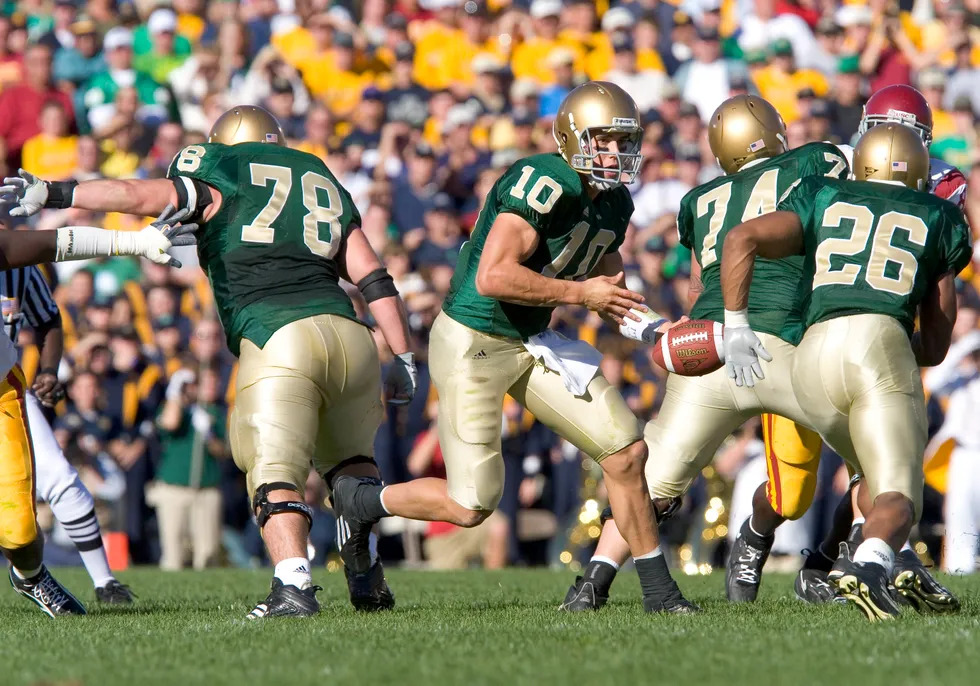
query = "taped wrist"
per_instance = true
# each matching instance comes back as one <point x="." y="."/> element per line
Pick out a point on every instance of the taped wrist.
<point x="377" y="285"/>
<point x="60" y="194"/>
<point x="84" y="242"/>
<point x="735" y="319"/>
<point x="264" y="509"/>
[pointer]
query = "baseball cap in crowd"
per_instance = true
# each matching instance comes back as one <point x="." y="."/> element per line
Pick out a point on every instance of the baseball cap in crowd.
<point x="442" y="202"/>
<point x="342" y="39"/>
<point x="485" y="63"/>
<point x="162" y="20"/>
<point x="932" y="77"/>
<point x="166" y="321"/>
<point x="423" y="149"/>
<point x="372" y="93"/>
<point x="854" y="15"/>
<point x="738" y="82"/>
<point x="688" y="153"/>
<point x="523" y="88"/>
<point x="755" y="56"/>
<point x="545" y="8"/>
<point x="621" y="42"/>
<point x="404" y="51"/>
<point x="710" y="5"/>
<point x="708" y="33"/>
<point x="826" y="26"/>
<point x="524" y="118"/>
<point x="849" y="64"/>
<point x="560" y="57"/>
<point x="962" y="103"/>
<point x="117" y="37"/>
<point x="397" y="22"/>
<point x="101" y="300"/>
<point x="617" y="18"/>
<point x="781" y="47"/>
<point x="689" y="109"/>
<point x="278" y="84"/>
<point x="670" y="91"/>
<point x="806" y="94"/>
<point x="83" y="25"/>
<point x="819" y="109"/>
<point x="458" y="115"/>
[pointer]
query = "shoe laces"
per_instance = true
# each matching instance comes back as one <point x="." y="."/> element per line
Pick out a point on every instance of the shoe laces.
<point x="50" y="592"/>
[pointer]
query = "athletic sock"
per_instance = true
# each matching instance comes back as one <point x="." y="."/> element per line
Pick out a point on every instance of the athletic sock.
<point x="294" y="571"/>
<point x="367" y="501"/>
<point x="755" y="539"/>
<point x="655" y="578"/>
<point x="25" y="574"/>
<point x="876" y="551"/>
<point x="856" y="534"/>
<point x="84" y="532"/>
<point x="907" y="546"/>
<point x="600" y="573"/>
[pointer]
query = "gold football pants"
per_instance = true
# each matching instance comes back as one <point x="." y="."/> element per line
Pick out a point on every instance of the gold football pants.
<point x="313" y="393"/>
<point x="859" y="382"/>
<point x="18" y="526"/>
<point x="472" y="373"/>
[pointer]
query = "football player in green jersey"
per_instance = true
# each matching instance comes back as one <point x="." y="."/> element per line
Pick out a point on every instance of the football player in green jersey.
<point x="277" y="233"/>
<point x="748" y="138"/>
<point x="548" y="235"/>
<point x="877" y="252"/>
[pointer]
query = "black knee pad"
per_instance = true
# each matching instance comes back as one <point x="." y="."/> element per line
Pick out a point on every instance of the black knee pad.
<point x="663" y="509"/>
<point x="264" y="509"/>
<point x="331" y="474"/>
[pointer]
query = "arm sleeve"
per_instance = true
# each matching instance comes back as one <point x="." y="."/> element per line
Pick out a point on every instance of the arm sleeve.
<point x="39" y="305"/>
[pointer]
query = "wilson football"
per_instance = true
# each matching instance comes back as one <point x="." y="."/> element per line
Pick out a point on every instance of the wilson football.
<point x="693" y="348"/>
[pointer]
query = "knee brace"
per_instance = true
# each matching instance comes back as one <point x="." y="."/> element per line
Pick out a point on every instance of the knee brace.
<point x="264" y="509"/>
<point x="663" y="509"/>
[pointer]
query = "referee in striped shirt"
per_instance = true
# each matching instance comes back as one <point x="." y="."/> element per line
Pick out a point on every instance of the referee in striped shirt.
<point x="26" y="297"/>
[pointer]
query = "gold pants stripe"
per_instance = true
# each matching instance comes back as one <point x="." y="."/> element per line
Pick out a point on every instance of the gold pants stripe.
<point x="792" y="460"/>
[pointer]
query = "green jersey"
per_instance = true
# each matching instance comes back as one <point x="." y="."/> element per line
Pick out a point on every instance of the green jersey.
<point x="874" y="248"/>
<point x="574" y="232"/>
<point x="270" y="251"/>
<point x="711" y="210"/>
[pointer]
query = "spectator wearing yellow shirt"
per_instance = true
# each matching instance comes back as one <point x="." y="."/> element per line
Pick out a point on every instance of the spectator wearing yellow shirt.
<point x="52" y="154"/>
<point x="320" y="135"/>
<point x="780" y="82"/>
<point x="340" y="87"/>
<point x="932" y="83"/>
<point x="438" y="46"/>
<point x="476" y="40"/>
<point x="644" y="33"/>
<point x="530" y="58"/>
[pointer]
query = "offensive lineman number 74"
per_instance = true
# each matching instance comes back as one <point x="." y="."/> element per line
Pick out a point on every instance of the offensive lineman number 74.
<point x="260" y="229"/>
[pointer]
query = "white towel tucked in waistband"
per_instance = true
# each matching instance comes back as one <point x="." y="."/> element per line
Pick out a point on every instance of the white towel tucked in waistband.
<point x="576" y="361"/>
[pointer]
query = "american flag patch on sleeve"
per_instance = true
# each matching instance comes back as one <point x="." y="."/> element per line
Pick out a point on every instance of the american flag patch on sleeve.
<point x="899" y="166"/>
<point x="757" y="145"/>
<point x="271" y="138"/>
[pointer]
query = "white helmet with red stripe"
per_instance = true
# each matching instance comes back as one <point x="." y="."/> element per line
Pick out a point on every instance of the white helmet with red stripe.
<point x="898" y="104"/>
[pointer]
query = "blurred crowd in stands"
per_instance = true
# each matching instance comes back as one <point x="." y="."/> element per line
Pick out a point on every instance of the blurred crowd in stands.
<point x="417" y="106"/>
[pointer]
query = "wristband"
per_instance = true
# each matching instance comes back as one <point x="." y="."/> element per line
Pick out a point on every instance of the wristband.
<point x="60" y="194"/>
<point x="736" y="319"/>
<point x="48" y="370"/>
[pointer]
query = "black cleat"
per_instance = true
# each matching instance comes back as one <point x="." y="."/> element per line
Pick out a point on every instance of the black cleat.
<point x="45" y="592"/>
<point x="845" y="554"/>
<point x="583" y="596"/>
<point x="114" y="593"/>
<point x="678" y="605"/>
<point x="287" y="601"/>
<point x="369" y="592"/>
<point x="811" y="585"/>
<point x="353" y="523"/>
<point x="866" y="585"/>
<point x="919" y="588"/>
<point x="743" y="575"/>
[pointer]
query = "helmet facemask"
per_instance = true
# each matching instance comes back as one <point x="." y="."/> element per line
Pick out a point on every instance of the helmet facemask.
<point x="893" y="116"/>
<point x="608" y="156"/>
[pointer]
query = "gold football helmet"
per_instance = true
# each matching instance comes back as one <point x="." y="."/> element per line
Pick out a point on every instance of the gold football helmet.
<point x="246" y="124"/>
<point x="745" y="128"/>
<point x="596" y="122"/>
<point x="892" y="152"/>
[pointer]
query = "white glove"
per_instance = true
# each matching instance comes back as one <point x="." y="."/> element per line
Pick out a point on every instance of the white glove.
<point x="402" y="379"/>
<point x="201" y="420"/>
<point x="180" y="378"/>
<point x="644" y="330"/>
<point x="154" y="240"/>
<point x="743" y="350"/>
<point x="26" y="192"/>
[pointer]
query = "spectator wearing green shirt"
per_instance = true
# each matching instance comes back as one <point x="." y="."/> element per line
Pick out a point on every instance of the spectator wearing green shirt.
<point x="192" y="431"/>
<point x="155" y="101"/>
<point x="163" y="56"/>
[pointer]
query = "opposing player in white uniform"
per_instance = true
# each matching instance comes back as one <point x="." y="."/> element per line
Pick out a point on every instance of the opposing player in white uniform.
<point x="20" y="541"/>
<point x="27" y="299"/>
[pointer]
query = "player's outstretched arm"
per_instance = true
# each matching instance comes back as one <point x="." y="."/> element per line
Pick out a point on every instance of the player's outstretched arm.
<point x="501" y="275"/>
<point x="23" y="248"/>
<point x="363" y="268"/>
<point x="143" y="197"/>
<point x="937" y="315"/>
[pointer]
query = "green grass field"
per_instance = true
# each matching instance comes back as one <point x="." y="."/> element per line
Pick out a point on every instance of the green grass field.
<point x="475" y="628"/>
